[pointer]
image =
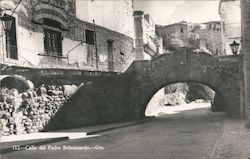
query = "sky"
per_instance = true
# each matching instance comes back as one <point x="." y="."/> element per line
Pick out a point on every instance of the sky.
<point x="165" y="12"/>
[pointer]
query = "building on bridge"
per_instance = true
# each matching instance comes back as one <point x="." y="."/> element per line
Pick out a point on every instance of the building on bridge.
<point x="69" y="34"/>
<point x="147" y="43"/>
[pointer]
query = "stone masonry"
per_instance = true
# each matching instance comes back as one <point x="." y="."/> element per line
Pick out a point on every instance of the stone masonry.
<point x="219" y="73"/>
<point x="125" y="96"/>
<point x="245" y="6"/>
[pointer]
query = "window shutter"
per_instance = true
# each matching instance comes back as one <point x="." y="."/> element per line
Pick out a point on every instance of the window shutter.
<point x="11" y="43"/>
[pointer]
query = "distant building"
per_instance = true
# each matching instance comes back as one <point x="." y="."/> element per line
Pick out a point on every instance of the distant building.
<point x="230" y="14"/>
<point x="210" y="37"/>
<point x="194" y="30"/>
<point x="206" y="36"/>
<point x="69" y="34"/>
<point x="173" y="35"/>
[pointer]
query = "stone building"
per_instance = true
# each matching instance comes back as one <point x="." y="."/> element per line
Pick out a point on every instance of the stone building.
<point x="205" y="36"/>
<point x="230" y="14"/>
<point x="210" y="37"/>
<point x="173" y="35"/>
<point x="70" y="34"/>
<point x="147" y="43"/>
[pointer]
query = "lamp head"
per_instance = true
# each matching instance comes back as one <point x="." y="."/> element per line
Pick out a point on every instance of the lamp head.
<point x="234" y="47"/>
<point x="7" y="21"/>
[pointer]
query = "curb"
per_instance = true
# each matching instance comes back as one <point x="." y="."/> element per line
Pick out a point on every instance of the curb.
<point x="40" y="142"/>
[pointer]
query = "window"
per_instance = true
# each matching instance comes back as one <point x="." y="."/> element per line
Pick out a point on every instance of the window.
<point x="52" y="37"/>
<point x="90" y="36"/>
<point x="11" y="43"/>
<point x="181" y="30"/>
<point x="52" y="42"/>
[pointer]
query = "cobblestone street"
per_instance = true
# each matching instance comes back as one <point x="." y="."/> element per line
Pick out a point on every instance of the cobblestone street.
<point x="234" y="142"/>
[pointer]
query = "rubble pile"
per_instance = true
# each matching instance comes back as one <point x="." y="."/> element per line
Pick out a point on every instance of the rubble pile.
<point x="9" y="103"/>
<point x="176" y="98"/>
<point x="30" y="111"/>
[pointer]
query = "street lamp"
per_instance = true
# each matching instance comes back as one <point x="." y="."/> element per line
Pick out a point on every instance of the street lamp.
<point x="7" y="22"/>
<point x="234" y="47"/>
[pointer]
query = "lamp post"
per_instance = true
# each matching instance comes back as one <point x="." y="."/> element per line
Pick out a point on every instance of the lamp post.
<point x="7" y="22"/>
<point x="234" y="47"/>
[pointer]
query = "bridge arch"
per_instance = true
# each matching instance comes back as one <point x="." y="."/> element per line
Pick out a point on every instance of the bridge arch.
<point x="185" y="66"/>
<point x="215" y="106"/>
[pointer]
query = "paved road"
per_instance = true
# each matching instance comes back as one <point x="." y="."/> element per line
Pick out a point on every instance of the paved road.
<point x="189" y="134"/>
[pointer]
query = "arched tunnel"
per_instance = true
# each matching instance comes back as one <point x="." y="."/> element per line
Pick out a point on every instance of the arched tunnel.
<point x="180" y="94"/>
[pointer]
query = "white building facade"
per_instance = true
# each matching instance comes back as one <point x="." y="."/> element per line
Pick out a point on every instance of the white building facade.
<point x="86" y="35"/>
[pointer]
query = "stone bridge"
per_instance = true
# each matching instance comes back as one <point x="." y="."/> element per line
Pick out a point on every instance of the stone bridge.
<point x="119" y="97"/>
<point x="125" y="96"/>
<point x="222" y="74"/>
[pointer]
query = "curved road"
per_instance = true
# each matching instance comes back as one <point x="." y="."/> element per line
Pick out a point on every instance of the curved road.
<point x="185" y="134"/>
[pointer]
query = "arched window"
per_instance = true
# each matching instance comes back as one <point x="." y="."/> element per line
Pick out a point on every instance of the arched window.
<point x="52" y="37"/>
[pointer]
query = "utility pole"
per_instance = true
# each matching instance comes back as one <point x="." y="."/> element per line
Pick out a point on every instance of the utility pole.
<point x="96" y="49"/>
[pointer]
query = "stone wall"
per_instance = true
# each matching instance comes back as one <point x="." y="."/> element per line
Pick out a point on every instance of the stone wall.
<point x="103" y="97"/>
<point x="245" y="6"/>
<point x="29" y="111"/>
<point x="98" y="102"/>
<point x="55" y="76"/>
